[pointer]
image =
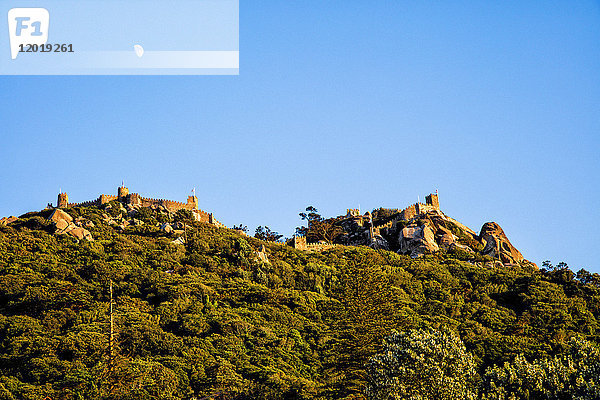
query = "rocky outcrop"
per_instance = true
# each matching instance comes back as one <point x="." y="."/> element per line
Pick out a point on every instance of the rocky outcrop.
<point x="64" y="225"/>
<point x="167" y="228"/>
<point x="8" y="220"/>
<point x="59" y="215"/>
<point x="497" y="244"/>
<point x="378" y="242"/>
<point x="80" y="233"/>
<point x="262" y="255"/>
<point x="417" y="240"/>
<point x="445" y="238"/>
<point x="426" y="230"/>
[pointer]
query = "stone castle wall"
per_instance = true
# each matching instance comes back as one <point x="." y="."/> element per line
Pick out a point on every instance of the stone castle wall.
<point x="352" y="212"/>
<point x="301" y="244"/>
<point x="433" y="200"/>
<point x="409" y="212"/>
<point x="136" y="200"/>
<point x="431" y="204"/>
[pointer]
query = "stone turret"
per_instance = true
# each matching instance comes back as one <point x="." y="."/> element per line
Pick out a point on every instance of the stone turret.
<point x="300" y="242"/>
<point x="63" y="200"/>
<point x="352" y="212"/>
<point x="192" y="202"/>
<point x="123" y="192"/>
<point x="432" y="200"/>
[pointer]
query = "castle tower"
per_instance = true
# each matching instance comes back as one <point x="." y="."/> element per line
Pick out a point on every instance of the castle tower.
<point x="432" y="200"/>
<point x="300" y="243"/>
<point x="122" y="192"/>
<point x="135" y="199"/>
<point x="63" y="200"/>
<point x="352" y="212"/>
<point x="192" y="203"/>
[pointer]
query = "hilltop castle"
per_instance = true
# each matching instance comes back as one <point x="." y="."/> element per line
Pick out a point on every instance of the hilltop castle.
<point x="375" y="228"/>
<point x="135" y="200"/>
<point x="432" y="203"/>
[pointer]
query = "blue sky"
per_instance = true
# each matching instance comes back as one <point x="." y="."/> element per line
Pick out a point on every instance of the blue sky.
<point x="342" y="103"/>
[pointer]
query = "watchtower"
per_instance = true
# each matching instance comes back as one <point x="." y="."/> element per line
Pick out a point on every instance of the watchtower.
<point x="192" y="203"/>
<point x="300" y="243"/>
<point x="432" y="200"/>
<point x="63" y="200"/>
<point x="122" y="192"/>
<point x="352" y="212"/>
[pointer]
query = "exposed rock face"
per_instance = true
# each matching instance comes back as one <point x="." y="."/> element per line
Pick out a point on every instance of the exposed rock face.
<point x="166" y="227"/>
<point x="379" y="242"/>
<point x="262" y="255"/>
<point x="426" y="229"/>
<point x="64" y="228"/>
<point x="497" y="244"/>
<point x="417" y="240"/>
<point x="60" y="215"/>
<point x="445" y="238"/>
<point x="8" y="220"/>
<point x="463" y="247"/>
<point x="81" y="233"/>
<point x="64" y="225"/>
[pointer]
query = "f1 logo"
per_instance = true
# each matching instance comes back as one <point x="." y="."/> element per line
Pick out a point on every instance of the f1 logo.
<point x="27" y="26"/>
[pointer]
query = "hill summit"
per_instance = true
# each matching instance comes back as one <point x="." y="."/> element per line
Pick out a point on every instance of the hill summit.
<point x="421" y="228"/>
<point x="124" y="301"/>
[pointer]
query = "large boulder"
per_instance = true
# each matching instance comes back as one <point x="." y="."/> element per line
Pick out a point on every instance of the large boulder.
<point x="81" y="233"/>
<point x="8" y="220"/>
<point x="497" y="244"/>
<point x="417" y="240"/>
<point x="62" y="224"/>
<point x="64" y="228"/>
<point x="167" y="228"/>
<point x="445" y="238"/>
<point x="262" y="255"/>
<point x="60" y="215"/>
<point x="379" y="242"/>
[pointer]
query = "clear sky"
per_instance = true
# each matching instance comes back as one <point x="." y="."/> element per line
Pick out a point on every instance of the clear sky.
<point x="340" y="104"/>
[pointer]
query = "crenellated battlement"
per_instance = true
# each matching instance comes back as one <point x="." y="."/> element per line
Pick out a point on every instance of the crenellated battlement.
<point x="431" y="204"/>
<point x="300" y="243"/>
<point x="352" y="212"/>
<point x="134" y="199"/>
<point x="86" y="203"/>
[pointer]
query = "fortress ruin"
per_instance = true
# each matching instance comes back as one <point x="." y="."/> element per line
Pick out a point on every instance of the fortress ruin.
<point x="432" y="203"/>
<point x="135" y="200"/>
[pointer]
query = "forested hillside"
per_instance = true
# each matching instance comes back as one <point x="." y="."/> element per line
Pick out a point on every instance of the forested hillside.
<point x="217" y="317"/>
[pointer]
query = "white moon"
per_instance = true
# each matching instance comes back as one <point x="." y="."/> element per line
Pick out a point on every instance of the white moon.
<point x="139" y="50"/>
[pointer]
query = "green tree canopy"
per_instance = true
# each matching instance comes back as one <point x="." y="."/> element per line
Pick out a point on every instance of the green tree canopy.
<point x="422" y="365"/>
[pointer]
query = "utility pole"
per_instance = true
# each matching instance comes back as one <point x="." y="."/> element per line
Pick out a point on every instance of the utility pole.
<point x="111" y="341"/>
